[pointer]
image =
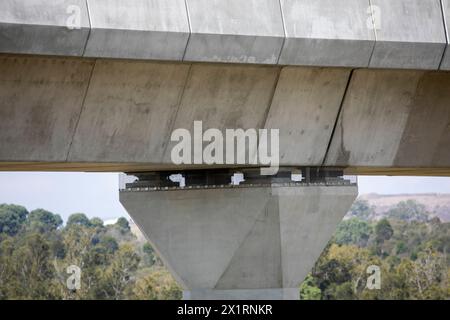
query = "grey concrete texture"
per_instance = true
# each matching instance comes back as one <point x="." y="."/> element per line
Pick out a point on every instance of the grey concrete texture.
<point x="127" y="111"/>
<point x="235" y="31"/>
<point x="410" y="34"/>
<point x="327" y="33"/>
<point x="138" y="29"/>
<point x="44" y="27"/>
<point x="225" y="97"/>
<point x="305" y="107"/>
<point x="405" y="34"/>
<point x="117" y="112"/>
<point x="40" y="103"/>
<point x="445" y="65"/>
<point x="394" y="119"/>
<point x="238" y="239"/>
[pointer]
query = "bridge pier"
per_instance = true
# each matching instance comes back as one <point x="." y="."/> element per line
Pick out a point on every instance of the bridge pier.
<point x="256" y="240"/>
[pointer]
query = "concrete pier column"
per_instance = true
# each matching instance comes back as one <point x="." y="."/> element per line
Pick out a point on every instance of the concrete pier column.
<point x="240" y="242"/>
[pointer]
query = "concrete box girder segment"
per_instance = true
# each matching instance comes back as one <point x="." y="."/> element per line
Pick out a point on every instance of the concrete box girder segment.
<point x="128" y="111"/>
<point x="327" y="33"/>
<point x="225" y="97"/>
<point x="44" y="27"/>
<point x="446" y="13"/>
<point x="304" y="108"/>
<point x="40" y="102"/>
<point x="394" y="119"/>
<point x="248" y="31"/>
<point x="240" y="243"/>
<point x="138" y="29"/>
<point x="410" y="34"/>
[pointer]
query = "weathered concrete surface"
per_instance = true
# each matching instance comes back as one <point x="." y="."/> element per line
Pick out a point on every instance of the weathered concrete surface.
<point x="138" y="29"/>
<point x="393" y="119"/>
<point x="248" y="31"/>
<point x="410" y="35"/>
<point x="390" y="119"/>
<point x="229" y="242"/>
<point x="225" y="97"/>
<point x="41" y="27"/>
<point x="327" y="33"/>
<point x="305" y="107"/>
<point x="446" y="13"/>
<point x="128" y="111"/>
<point x="40" y="102"/>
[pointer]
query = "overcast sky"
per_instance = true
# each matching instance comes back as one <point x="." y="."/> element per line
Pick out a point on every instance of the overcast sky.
<point x="96" y="194"/>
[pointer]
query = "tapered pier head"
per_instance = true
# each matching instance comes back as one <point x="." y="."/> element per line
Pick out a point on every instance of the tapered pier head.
<point x="255" y="240"/>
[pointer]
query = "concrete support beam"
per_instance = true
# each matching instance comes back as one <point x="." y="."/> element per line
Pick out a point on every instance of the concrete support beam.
<point x="128" y="112"/>
<point x="327" y="33"/>
<point x="120" y="114"/>
<point x="304" y="108"/>
<point x="248" y="31"/>
<point x="410" y="34"/>
<point x="446" y="14"/>
<point x="138" y="29"/>
<point x="40" y="104"/>
<point x="225" y="97"/>
<point x="393" y="119"/>
<point x="240" y="243"/>
<point x="47" y="27"/>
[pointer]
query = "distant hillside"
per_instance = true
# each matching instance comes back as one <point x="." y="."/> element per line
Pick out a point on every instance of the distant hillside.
<point x="436" y="204"/>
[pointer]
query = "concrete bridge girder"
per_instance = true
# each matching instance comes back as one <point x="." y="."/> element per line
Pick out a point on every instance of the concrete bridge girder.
<point x="122" y="113"/>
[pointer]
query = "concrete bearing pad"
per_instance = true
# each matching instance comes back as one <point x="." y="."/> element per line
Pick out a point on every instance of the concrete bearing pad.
<point x="327" y="33"/>
<point x="44" y="27"/>
<point x="138" y="29"/>
<point x="248" y="31"/>
<point x="409" y="34"/>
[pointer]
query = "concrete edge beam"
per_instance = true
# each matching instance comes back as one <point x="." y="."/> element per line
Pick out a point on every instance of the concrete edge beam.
<point x="410" y="34"/>
<point x="44" y="27"/>
<point x="142" y="29"/>
<point x="327" y="33"/>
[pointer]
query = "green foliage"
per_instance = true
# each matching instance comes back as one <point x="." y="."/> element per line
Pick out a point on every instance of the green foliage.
<point x="409" y="210"/>
<point x="383" y="231"/>
<point x="43" y="221"/>
<point x="309" y="289"/>
<point x="12" y="218"/>
<point x="361" y="209"/>
<point x="353" y="231"/>
<point x="79" y="219"/>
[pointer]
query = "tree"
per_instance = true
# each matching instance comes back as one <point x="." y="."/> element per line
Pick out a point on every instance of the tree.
<point x="43" y="221"/>
<point x="12" y="218"/>
<point x="123" y="225"/>
<point x="353" y="231"/>
<point x="118" y="277"/>
<point x="78" y="219"/>
<point x="409" y="210"/>
<point x="361" y="209"/>
<point x="158" y="285"/>
<point x="309" y="289"/>
<point x="383" y="231"/>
